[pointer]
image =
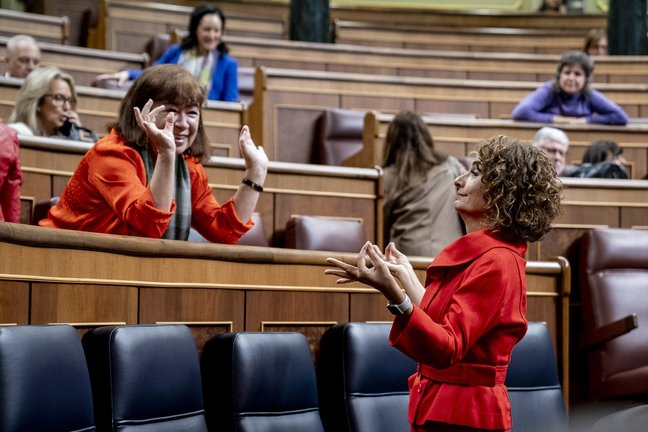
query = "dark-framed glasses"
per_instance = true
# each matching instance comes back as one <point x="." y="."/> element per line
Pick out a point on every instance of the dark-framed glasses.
<point x="60" y="99"/>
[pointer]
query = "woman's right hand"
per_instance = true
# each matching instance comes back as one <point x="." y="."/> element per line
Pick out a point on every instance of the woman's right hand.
<point x="162" y="139"/>
<point x="121" y="77"/>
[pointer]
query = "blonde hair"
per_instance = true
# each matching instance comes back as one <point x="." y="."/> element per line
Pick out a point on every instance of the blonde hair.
<point x="31" y="94"/>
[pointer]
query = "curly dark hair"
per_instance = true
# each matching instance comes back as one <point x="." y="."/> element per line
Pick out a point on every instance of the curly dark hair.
<point x="522" y="191"/>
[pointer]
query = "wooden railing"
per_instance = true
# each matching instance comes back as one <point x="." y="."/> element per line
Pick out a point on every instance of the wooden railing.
<point x="42" y="27"/>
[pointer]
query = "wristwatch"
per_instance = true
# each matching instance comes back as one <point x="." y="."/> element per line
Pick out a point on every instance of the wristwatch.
<point x="400" y="309"/>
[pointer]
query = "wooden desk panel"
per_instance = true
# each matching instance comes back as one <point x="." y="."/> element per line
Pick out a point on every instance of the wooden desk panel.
<point x="208" y="286"/>
<point x="42" y="27"/>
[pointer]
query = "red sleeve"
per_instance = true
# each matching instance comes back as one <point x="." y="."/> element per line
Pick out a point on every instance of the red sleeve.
<point x="471" y="311"/>
<point x="119" y="176"/>
<point x="11" y="177"/>
<point x="218" y="224"/>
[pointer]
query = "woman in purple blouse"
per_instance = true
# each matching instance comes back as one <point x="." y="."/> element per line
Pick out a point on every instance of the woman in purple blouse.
<point x="568" y="98"/>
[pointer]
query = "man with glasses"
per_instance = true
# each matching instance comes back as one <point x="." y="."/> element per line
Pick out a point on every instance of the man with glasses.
<point x="554" y="143"/>
<point x="23" y="56"/>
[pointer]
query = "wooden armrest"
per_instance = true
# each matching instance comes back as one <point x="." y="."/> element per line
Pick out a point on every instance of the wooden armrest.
<point x="608" y="332"/>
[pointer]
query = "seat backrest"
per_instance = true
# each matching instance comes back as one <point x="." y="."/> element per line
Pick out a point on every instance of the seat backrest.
<point x="362" y="380"/>
<point x="341" y="135"/>
<point x="633" y="419"/>
<point x="145" y="378"/>
<point x="533" y="386"/>
<point x="260" y="382"/>
<point x="44" y="382"/>
<point x="246" y="83"/>
<point x="613" y="277"/>
<point x="256" y="236"/>
<point x="324" y="233"/>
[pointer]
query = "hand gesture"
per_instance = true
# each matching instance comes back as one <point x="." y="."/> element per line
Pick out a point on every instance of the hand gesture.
<point x="256" y="160"/>
<point x="376" y="274"/>
<point x="162" y="139"/>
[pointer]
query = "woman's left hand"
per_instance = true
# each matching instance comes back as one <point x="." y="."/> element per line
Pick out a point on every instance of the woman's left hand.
<point x="256" y="160"/>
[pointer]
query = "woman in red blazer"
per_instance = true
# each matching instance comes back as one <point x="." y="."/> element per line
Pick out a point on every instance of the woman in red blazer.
<point x="461" y="327"/>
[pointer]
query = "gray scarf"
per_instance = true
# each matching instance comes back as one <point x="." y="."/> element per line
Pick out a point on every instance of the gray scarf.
<point x="180" y="220"/>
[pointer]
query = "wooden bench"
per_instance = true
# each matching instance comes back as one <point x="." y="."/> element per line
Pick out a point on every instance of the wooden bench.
<point x="287" y="103"/>
<point x="476" y="39"/>
<point x="98" y="107"/>
<point x="42" y="27"/>
<point x="460" y="136"/>
<point x="88" y="280"/>
<point x="84" y="64"/>
<point x="476" y="18"/>
<point x="254" y="52"/>
<point x="129" y="24"/>
<point x="48" y="163"/>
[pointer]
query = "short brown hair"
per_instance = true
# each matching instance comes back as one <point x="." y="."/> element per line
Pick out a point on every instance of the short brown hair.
<point x="166" y="83"/>
<point x="522" y="192"/>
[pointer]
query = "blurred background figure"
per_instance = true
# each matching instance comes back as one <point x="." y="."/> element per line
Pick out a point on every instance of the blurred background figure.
<point x="22" y="56"/>
<point x="45" y="107"/>
<point x="568" y="98"/>
<point x="553" y="6"/>
<point x="10" y="175"/>
<point x="554" y="143"/>
<point x="596" y="42"/>
<point x="202" y="52"/>
<point x="419" y="214"/>
<point x="602" y="159"/>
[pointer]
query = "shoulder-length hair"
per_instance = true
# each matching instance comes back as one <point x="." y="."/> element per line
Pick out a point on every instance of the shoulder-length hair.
<point x="166" y="83"/>
<point x="575" y="57"/>
<point x="522" y="192"/>
<point x="191" y="40"/>
<point x="32" y="93"/>
<point x="410" y="148"/>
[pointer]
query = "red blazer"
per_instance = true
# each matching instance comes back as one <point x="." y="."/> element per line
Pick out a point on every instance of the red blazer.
<point x="462" y="334"/>
<point x="11" y="177"/>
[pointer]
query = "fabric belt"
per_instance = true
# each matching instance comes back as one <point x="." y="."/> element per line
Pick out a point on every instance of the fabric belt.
<point x="466" y="374"/>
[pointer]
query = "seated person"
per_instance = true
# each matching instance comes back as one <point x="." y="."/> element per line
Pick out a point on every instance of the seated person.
<point x="568" y="98"/>
<point x="22" y="56"/>
<point x="553" y="6"/>
<point x="419" y="214"/>
<point x="10" y="175"/>
<point x="596" y="42"/>
<point x="602" y="159"/>
<point x="554" y="143"/>
<point x="145" y="178"/>
<point x="45" y="107"/>
<point x="203" y="53"/>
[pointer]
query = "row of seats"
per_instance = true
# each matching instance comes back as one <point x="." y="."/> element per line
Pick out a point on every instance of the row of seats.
<point x="146" y="378"/>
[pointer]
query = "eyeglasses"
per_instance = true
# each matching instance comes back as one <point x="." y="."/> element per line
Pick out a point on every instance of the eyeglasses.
<point x="60" y="99"/>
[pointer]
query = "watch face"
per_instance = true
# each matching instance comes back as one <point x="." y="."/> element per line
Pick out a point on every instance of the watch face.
<point x="394" y="309"/>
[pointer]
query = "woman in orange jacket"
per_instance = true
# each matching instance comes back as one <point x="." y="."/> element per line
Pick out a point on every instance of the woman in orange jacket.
<point x="145" y="178"/>
<point x="462" y="326"/>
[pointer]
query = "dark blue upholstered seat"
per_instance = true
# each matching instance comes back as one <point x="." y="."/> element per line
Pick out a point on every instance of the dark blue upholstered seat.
<point x="44" y="383"/>
<point x="145" y="378"/>
<point x="533" y="386"/>
<point x="260" y="382"/>
<point x="363" y="380"/>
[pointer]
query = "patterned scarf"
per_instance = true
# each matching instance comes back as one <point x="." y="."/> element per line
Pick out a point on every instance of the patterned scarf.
<point x="199" y="66"/>
<point x="181" y="220"/>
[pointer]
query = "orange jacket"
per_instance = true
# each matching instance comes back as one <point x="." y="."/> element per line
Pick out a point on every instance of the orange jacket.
<point x="462" y="334"/>
<point x="11" y="177"/>
<point x="108" y="193"/>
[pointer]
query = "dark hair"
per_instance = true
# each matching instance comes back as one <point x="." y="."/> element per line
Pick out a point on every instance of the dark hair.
<point x="602" y="150"/>
<point x="592" y="37"/>
<point x="575" y="57"/>
<point x="522" y="191"/>
<point x="191" y="40"/>
<point x="165" y="83"/>
<point x="410" y="148"/>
